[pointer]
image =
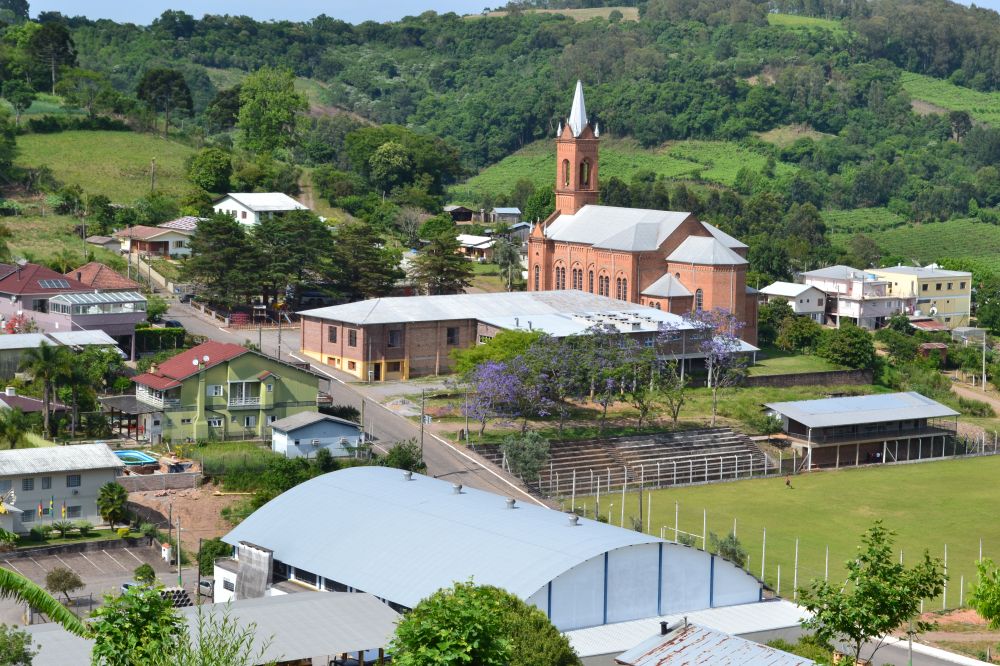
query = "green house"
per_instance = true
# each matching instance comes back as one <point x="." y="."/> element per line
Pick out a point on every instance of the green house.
<point x="215" y="391"/>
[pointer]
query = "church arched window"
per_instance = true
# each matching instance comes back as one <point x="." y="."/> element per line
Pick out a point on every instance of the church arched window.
<point x="565" y="168"/>
<point x="585" y="174"/>
<point x="699" y="299"/>
<point x="590" y="282"/>
<point x="538" y="273"/>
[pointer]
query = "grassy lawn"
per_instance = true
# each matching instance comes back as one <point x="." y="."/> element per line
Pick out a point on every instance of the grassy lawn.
<point x="805" y="22"/>
<point x="45" y="104"/>
<point x="773" y="361"/>
<point x="171" y="270"/>
<point x="628" y="13"/>
<point x="713" y="161"/>
<point x="116" y="164"/>
<point x="39" y="238"/>
<point x="786" y="135"/>
<point x="983" y="106"/>
<point x="965" y="238"/>
<point x="56" y="540"/>
<point x="928" y="505"/>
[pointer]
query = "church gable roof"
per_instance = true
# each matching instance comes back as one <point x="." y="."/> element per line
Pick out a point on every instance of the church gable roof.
<point x="707" y="251"/>
<point x="724" y="238"/>
<point x="666" y="287"/>
<point x="613" y="228"/>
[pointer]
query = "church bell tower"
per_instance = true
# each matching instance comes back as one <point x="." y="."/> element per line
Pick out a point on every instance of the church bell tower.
<point x="576" y="159"/>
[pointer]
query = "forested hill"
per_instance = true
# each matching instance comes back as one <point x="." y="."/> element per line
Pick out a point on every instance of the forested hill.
<point x="492" y="85"/>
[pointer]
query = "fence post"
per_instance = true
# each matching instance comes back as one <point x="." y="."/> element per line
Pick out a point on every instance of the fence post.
<point x="777" y="591"/>
<point x="763" y="554"/>
<point x="704" y="529"/>
<point x="795" y="572"/>
<point x="677" y="520"/>
<point x="944" y="596"/>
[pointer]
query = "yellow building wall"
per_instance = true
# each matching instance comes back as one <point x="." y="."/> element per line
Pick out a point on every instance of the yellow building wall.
<point x="953" y="305"/>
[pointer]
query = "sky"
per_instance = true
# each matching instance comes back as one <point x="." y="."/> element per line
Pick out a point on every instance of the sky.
<point x="354" y="11"/>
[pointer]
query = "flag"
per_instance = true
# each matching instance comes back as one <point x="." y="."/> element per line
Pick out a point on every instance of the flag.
<point x="40" y="509"/>
<point x="64" y="509"/>
<point x="52" y="508"/>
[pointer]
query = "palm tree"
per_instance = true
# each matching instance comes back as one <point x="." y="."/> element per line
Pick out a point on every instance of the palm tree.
<point x="76" y="378"/>
<point x="111" y="502"/>
<point x="15" y="586"/>
<point x="46" y="364"/>
<point x="13" y="425"/>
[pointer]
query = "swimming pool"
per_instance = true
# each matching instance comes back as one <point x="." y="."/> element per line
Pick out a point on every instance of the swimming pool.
<point x="130" y="457"/>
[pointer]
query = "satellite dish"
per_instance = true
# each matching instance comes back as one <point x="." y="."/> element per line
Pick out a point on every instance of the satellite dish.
<point x="933" y="310"/>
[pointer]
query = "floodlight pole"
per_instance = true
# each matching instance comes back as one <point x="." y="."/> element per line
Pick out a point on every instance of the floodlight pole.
<point x="423" y="393"/>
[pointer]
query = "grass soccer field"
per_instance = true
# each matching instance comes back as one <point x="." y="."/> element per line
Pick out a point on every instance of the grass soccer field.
<point x="928" y="505"/>
<point x="115" y="164"/>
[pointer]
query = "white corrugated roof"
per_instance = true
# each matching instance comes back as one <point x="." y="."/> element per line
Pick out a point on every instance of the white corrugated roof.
<point x="923" y="271"/>
<point x="263" y="202"/>
<point x="302" y="419"/>
<point x="83" y="338"/>
<point x="737" y="620"/>
<point x="723" y="237"/>
<point x="23" y="340"/>
<point x="859" y="409"/>
<point x="420" y="536"/>
<point x="474" y="306"/>
<point x="614" y="228"/>
<point x="507" y="210"/>
<point x="789" y="289"/>
<point x="471" y="240"/>
<point x="705" y="250"/>
<point x="666" y="287"/>
<point x="839" y="272"/>
<point x="693" y="644"/>
<point x="18" y="462"/>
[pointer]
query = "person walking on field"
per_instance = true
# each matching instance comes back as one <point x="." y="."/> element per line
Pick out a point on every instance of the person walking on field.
<point x="788" y="481"/>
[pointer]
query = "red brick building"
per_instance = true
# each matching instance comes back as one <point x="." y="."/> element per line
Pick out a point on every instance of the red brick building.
<point x="664" y="259"/>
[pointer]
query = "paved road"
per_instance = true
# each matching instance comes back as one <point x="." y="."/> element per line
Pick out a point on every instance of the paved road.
<point x="444" y="460"/>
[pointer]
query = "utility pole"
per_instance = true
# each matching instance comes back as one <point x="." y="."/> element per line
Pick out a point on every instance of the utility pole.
<point x="197" y="588"/>
<point x="423" y="395"/>
<point x="180" y="580"/>
<point x="467" y="418"/>
<point x="279" y="334"/>
<point x="363" y="420"/>
<point x="152" y="176"/>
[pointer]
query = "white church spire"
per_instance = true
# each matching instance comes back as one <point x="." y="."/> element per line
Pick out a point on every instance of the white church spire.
<point x="578" y="116"/>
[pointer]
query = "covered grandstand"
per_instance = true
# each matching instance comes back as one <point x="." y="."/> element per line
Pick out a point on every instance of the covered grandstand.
<point x="402" y="536"/>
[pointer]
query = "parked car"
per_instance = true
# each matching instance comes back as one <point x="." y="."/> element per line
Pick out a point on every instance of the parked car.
<point x="206" y="588"/>
<point x="172" y="323"/>
<point x="128" y="586"/>
<point x="186" y="298"/>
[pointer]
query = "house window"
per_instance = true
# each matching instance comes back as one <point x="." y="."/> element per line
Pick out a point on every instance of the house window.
<point x="351" y="365"/>
<point x="352" y="338"/>
<point x="27" y="484"/>
<point x="452" y="335"/>
<point x="699" y="299"/>
<point x="819" y="301"/>
<point x="393" y="366"/>
<point x="185" y="421"/>
<point x="538" y="275"/>
<point x="214" y="390"/>
<point x="46" y="482"/>
<point x="585" y="174"/>
<point x="657" y="305"/>
<point x="250" y="421"/>
<point x="331" y="334"/>
<point x="215" y="423"/>
<point x="270" y="388"/>
<point x="949" y="285"/>
<point x="923" y="287"/>
<point x="395" y="339"/>
<point x="937" y="287"/>
<point x="590" y="282"/>
<point x="961" y="285"/>
<point x="72" y="480"/>
<point x="28" y="517"/>
<point x="73" y="512"/>
<point x="243" y="215"/>
<point x="271" y="418"/>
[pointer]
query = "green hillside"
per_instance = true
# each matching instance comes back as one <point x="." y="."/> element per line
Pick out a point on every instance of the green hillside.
<point x="712" y="161"/>
<point x="797" y="22"/>
<point x="983" y="106"/>
<point x="116" y="164"/>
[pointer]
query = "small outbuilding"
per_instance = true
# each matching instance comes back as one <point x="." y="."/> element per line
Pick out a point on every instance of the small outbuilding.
<point x="302" y="435"/>
<point x="692" y="644"/>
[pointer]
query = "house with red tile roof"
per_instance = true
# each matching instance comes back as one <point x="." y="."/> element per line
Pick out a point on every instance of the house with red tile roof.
<point x="156" y="241"/>
<point x="216" y="390"/>
<point x="98" y="276"/>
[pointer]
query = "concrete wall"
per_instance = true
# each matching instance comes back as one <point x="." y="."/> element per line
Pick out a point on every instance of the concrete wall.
<point x="59" y="491"/>
<point x="830" y="378"/>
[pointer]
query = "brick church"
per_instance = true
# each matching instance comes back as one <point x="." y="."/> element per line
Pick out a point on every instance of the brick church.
<point x="664" y="259"/>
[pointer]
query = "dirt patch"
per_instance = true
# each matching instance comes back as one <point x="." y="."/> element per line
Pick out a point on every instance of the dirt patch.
<point x="199" y="511"/>
<point x="923" y="108"/>
<point x="961" y="631"/>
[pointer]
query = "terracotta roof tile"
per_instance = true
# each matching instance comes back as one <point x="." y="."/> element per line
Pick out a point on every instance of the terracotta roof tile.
<point x="26" y="280"/>
<point x="170" y="373"/>
<point x="98" y="276"/>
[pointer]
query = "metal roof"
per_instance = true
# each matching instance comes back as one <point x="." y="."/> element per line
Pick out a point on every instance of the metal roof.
<point x="932" y="271"/>
<point x="303" y="419"/>
<point x="471" y="240"/>
<point x="741" y="619"/>
<point x="506" y="210"/>
<point x="20" y="462"/>
<point x="297" y="626"/>
<point x="705" y="250"/>
<point x="98" y="298"/>
<point x="788" y="289"/>
<point x="83" y="338"/>
<point x="614" y="228"/>
<point x="577" y="323"/>
<point x="690" y="644"/>
<point x="840" y="272"/>
<point x="578" y="114"/>
<point x="186" y="223"/>
<point x="666" y="287"/>
<point x="526" y="304"/>
<point x="262" y="202"/>
<point x="421" y="536"/>
<point x="859" y="409"/>
<point x="724" y="238"/>
<point x="23" y="340"/>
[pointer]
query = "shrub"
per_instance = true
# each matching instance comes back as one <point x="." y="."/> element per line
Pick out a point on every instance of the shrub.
<point x="123" y="532"/>
<point x="145" y="574"/>
<point x="149" y="530"/>
<point x="971" y="407"/>
<point x="84" y="527"/>
<point x="63" y="527"/>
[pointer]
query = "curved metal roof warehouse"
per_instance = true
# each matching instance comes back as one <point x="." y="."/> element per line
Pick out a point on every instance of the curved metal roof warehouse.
<point x="374" y="530"/>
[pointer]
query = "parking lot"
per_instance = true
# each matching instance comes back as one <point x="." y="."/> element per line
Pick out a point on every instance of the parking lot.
<point x="102" y="571"/>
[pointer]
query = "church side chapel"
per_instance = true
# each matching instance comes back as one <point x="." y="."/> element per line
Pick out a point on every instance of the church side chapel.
<point x="668" y="260"/>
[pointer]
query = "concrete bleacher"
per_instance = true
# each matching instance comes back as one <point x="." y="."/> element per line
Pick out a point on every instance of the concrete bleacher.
<point x="657" y="460"/>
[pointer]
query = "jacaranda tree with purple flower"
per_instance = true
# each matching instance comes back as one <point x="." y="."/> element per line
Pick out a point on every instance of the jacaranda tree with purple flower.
<point x="505" y="389"/>
<point x="725" y="363"/>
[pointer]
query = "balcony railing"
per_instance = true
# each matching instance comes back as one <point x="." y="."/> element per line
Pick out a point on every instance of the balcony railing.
<point x="157" y="401"/>
<point x="244" y="403"/>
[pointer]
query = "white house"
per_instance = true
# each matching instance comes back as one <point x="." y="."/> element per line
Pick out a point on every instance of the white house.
<point x="805" y="300"/>
<point x="854" y="295"/>
<point x="250" y="208"/>
<point x="302" y="435"/>
<point x="55" y="483"/>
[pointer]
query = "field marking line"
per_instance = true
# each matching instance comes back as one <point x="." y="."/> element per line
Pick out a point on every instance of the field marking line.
<point x="7" y="562"/>
<point x="133" y="555"/>
<point x="36" y="562"/>
<point x="92" y="563"/>
<point x="115" y="561"/>
<point x="65" y="563"/>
